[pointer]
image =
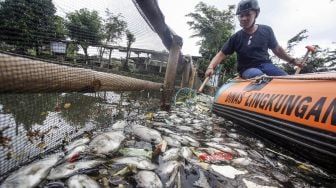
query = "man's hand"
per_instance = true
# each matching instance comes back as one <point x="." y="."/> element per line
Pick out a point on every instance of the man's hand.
<point x="209" y="72"/>
<point x="297" y="62"/>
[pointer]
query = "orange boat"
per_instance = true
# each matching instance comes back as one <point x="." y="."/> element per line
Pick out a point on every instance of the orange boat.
<point x="300" y="109"/>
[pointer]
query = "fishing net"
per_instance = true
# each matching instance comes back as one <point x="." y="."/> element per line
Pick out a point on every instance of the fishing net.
<point x="56" y="57"/>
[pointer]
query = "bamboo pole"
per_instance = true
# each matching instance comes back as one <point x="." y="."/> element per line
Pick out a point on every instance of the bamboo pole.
<point x="20" y="75"/>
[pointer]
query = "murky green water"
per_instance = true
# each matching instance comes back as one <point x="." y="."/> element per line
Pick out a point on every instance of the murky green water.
<point x="36" y="125"/>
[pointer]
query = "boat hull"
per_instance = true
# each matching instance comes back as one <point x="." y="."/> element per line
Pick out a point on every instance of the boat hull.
<point x="299" y="113"/>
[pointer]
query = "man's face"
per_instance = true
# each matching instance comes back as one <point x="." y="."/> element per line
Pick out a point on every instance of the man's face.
<point x="247" y="18"/>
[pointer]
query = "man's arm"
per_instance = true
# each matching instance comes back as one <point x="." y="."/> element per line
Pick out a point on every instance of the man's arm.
<point x="282" y="54"/>
<point x="220" y="56"/>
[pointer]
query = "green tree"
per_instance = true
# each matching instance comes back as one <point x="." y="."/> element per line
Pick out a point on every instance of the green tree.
<point x="60" y="30"/>
<point x="130" y="40"/>
<point x="113" y="29"/>
<point x="85" y="28"/>
<point x="213" y="27"/>
<point x="27" y="24"/>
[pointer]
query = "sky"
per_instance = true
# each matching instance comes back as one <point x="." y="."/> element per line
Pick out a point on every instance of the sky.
<point x="286" y="17"/>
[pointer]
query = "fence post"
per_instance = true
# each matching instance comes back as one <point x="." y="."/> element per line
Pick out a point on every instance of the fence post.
<point x="169" y="82"/>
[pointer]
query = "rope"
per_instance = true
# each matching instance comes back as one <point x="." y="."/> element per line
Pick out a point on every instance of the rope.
<point x="332" y="76"/>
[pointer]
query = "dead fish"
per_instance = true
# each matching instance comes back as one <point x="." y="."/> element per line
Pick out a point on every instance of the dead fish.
<point x="182" y="140"/>
<point x="220" y="147"/>
<point x="147" y="134"/>
<point x="107" y="142"/>
<point x="167" y="168"/>
<point x="31" y="175"/>
<point x="76" y="143"/>
<point x="67" y="169"/>
<point x="82" y="181"/>
<point x="165" y="130"/>
<point x="171" y="154"/>
<point x="135" y="152"/>
<point x="241" y="152"/>
<point x="171" y="142"/>
<point x="184" y="128"/>
<point x="227" y="171"/>
<point x="202" y="181"/>
<point x="147" y="178"/>
<point x="192" y="141"/>
<point x="119" y="125"/>
<point x="186" y="152"/>
<point x="139" y="162"/>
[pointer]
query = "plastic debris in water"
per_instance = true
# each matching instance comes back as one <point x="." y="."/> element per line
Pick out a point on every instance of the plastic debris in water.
<point x="67" y="105"/>
<point x="227" y="171"/>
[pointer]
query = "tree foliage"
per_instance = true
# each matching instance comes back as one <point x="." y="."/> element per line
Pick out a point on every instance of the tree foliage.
<point x="85" y="28"/>
<point x="27" y="24"/>
<point x="130" y="40"/>
<point x="213" y="27"/>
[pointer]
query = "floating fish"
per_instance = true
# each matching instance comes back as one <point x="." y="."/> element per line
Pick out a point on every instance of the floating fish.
<point x="76" y="143"/>
<point x="192" y="141"/>
<point x="67" y="169"/>
<point x="81" y="181"/>
<point x="167" y="168"/>
<point x="220" y="147"/>
<point x="31" y="175"/>
<point x="186" y="153"/>
<point x="178" y="137"/>
<point x="165" y="130"/>
<point x="147" y="134"/>
<point x="139" y="162"/>
<point x="171" y="154"/>
<point x="119" y="125"/>
<point x="148" y="179"/>
<point x="107" y="142"/>
<point x="171" y="142"/>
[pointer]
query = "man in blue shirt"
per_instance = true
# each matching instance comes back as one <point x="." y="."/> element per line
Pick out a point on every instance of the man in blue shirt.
<point x="251" y="44"/>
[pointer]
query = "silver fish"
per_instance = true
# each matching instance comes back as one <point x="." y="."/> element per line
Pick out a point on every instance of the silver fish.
<point x="184" y="141"/>
<point x="67" y="169"/>
<point x="119" y="125"/>
<point x="227" y="171"/>
<point x="107" y="142"/>
<point x="139" y="162"/>
<point x="171" y="142"/>
<point x="167" y="168"/>
<point x="220" y="147"/>
<point x="171" y="154"/>
<point x="192" y="141"/>
<point x="147" y="134"/>
<point x="31" y="175"/>
<point x="165" y="130"/>
<point x="186" y="153"/>
<point x="76" y="143"/>
<point x="149" y="179"/>
<point x="82" y="181"/>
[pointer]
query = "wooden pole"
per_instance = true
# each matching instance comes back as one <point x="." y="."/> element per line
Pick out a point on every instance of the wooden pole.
<point x="20" y="75"/>
<point x="169" y="82"/>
